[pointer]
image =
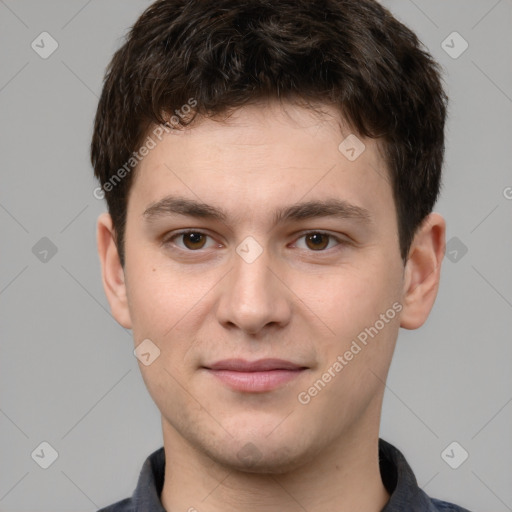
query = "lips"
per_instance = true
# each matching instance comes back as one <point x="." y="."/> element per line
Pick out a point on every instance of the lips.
<point x="254" y="376"/>
<point x="240" y="365"/>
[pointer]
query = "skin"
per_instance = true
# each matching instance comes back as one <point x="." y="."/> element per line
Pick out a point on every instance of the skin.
<point x="230" y="450"/>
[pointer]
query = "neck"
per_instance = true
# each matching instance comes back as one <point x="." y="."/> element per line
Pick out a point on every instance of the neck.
<point x="345" y="477"/>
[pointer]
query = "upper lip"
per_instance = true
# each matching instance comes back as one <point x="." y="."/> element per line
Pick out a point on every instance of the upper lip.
<point x="261" y="365"/>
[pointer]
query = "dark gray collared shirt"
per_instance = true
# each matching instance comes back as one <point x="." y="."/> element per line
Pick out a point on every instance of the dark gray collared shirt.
<point x="397" y="476"/>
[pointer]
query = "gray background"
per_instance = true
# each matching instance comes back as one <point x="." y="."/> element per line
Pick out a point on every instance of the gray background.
<point x="68" y="375"/>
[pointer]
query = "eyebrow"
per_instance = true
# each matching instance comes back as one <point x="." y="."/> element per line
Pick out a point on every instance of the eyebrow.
<point x="331" y="207"/>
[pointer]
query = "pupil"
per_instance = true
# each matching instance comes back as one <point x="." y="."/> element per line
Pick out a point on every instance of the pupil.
<point x="318" y="240"/>
<point x="193" y="240"/>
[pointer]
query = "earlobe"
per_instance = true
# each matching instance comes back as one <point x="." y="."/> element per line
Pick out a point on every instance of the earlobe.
<point x="423" y="271"/>
<point x="112" y="271"/>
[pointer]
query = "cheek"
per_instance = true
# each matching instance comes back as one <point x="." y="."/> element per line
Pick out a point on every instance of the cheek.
<point x="155" y="299"/>
<point x="350" y="303"/>
<point x="167" y="304"/>
<point x="347" y="300"/>
<point x="361" y="311"/>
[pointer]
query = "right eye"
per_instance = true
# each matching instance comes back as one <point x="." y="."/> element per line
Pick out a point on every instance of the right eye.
<point x="191" y="240"/>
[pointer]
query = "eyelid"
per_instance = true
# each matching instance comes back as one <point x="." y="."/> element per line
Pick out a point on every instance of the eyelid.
<point x="340" y="240"/>
<point x="169" y="239"/>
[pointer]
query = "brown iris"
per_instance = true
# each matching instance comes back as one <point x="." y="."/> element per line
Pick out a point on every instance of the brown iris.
<point x="193" y="240"/>
<point x="318" y="241"/>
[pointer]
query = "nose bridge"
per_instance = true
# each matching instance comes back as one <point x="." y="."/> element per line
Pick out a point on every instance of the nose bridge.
<point x="252" y="297"/>
<point x="252" y="277"/>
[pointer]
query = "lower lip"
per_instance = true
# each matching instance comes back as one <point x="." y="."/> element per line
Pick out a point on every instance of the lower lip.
<point x="256" y="381"/>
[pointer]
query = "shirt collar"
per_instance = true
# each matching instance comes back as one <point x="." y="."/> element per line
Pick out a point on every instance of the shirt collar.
<point x="400" y="482"/>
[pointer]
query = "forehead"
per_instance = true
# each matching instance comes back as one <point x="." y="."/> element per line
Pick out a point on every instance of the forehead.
<point x="264" y="155"/>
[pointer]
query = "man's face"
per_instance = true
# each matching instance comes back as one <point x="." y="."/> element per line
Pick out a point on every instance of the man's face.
<point x="255" y="285"/>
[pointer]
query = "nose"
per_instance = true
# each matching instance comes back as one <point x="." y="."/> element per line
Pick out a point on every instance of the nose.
<point x="253" y="297"/>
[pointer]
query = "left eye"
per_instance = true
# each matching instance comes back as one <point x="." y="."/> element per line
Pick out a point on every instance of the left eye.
<point x="318" y="241"/>
<point x="192" y="240"/>
<point x="314" y="241"/>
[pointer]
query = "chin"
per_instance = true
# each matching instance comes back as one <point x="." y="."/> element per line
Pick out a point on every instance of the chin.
<point x="261" y="457"/>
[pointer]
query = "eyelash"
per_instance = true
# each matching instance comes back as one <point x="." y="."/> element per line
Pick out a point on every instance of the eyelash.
<point x="340" y="242"/>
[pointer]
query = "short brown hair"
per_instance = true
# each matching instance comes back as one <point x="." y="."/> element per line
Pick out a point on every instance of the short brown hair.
<point x="228" y="53"/>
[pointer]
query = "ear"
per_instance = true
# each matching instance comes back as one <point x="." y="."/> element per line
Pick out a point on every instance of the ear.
<point x="423" y="271"/>
<point x="111" y="271"/>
